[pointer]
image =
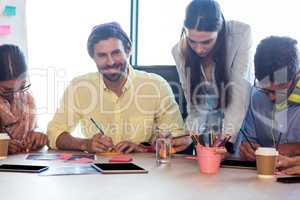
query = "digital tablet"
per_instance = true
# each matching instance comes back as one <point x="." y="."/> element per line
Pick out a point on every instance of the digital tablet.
<point x="23" y="168"/>
<point x="240" y="164"/>
<point x="118" y="168"/>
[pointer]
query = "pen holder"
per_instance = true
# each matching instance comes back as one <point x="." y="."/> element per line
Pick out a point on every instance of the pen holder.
<point x="208" y="159"/>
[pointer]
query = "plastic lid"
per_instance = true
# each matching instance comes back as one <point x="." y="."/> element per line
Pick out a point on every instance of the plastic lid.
<point x="4" y="136"/>
<point x="266" y="151"/>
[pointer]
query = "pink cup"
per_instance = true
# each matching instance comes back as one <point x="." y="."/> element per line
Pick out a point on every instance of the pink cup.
<point x="208" y="160"/>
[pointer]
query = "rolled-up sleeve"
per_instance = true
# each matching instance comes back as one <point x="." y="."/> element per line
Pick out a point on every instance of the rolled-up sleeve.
<point x="66" y="117"/>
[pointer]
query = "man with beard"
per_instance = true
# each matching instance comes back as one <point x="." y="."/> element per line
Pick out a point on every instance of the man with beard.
<point x="118" y="107"/>
<point x="273" y="116"/>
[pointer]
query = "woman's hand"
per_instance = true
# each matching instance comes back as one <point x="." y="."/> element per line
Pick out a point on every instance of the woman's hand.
<point x="15" y="147"/>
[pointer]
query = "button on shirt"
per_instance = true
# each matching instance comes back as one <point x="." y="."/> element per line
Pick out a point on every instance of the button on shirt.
<point x="147" y="103"/>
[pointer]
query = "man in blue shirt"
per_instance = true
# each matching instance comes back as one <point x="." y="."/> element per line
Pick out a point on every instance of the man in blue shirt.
<point x="274" y="111"/>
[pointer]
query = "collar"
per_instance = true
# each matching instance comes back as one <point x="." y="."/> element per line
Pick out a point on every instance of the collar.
<point x="293" y="98"/>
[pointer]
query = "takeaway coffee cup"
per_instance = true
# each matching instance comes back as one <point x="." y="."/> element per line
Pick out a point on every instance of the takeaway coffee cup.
<point x="4" y="140"/>
<point x="266" y="158"/>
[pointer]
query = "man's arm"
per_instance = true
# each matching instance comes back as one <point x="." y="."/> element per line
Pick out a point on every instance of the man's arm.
<point x="66" y="141"/>
<point x="291" y="149"/>
<point x="240" y="67"/>
<point x="246" y="151"/>
<point x="65" y="119"/>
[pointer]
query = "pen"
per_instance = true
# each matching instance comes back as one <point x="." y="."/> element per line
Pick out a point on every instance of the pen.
<point x="181" y="136"/>
<point x="211" y="138"/>
<point x="101" y="131"/>
<point x="201" y="139"/>
<point x="195" y="141"/>
<point x="97" y="126"/>
<point x="224" y="141"/>
<point x="278" y="141"/>
<point x="245" y="135"/>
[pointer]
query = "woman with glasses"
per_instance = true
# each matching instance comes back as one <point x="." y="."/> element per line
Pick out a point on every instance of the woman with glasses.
<point x="213" y="62"/>
<point x="17" y="109"/>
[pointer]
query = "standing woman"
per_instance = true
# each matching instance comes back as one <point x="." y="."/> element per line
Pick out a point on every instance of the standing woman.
<point x="213" y="60"/>
<point x="17" y="109"/>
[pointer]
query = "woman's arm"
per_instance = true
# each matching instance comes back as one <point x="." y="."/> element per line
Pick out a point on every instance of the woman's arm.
<point x="240" y="71"/>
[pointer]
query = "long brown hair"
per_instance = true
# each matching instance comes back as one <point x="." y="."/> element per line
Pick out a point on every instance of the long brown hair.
<point x="205" y="15"/>
<point x="12" y="62"/>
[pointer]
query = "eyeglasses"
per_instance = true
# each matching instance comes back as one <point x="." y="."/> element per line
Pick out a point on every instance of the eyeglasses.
<point x="9" y="92"/>
<point x="281" y="89"/>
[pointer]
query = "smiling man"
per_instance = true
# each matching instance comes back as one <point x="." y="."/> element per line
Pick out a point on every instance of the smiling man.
<point x="274" y="112"/>
<point x="128" y="105"/>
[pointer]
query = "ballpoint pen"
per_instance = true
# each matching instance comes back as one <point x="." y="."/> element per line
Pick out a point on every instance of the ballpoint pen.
<point x="278" y="141"/>
<point x="100" y="130"/>
<point x="97" y="126"/>
<point x="224" y="141"/>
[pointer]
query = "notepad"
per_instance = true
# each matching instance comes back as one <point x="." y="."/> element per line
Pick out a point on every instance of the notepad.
<point x="124" y="158"/>
<point x="5" y="30"/>
<point x="9" y="11"/>
<point x="109" y="153"/>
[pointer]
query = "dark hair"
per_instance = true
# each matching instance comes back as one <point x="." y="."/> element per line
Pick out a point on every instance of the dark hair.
<point x="206" y="15"/>
<point x="274" y="53"/>
<point x="12" y="62"/>
<point x="105" y="31"/>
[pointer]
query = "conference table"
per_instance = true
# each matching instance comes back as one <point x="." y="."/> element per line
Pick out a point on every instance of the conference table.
<point x="180" y="180"/>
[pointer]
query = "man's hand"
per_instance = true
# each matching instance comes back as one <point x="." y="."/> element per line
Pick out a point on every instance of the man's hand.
<point x="284" y="162"/>
<point x="292" y="170"/>
<point x="246" y="152"/>
<point x="100" y="143"/>
<point x="288" y="149"/>
<point x="36" y="141"/>
<point x="128" y="147"/>
<point x="182" y="143"/>
<point x="288" y="165"/>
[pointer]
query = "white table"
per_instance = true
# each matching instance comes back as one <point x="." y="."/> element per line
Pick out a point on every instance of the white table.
<point x="181" y="180"/>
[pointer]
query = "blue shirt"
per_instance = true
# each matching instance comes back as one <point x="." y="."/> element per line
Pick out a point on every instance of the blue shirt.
<point x="263" y="124"/>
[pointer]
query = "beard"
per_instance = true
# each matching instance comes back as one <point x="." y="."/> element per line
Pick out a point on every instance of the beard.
<point x="115" y="72"/>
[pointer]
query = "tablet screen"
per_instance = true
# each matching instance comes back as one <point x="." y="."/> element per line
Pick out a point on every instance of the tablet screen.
<point x="289" y="179"/>
<point x="239" y="164"/>
<point x="118" y="168"/>
<point x="22" y="168"/>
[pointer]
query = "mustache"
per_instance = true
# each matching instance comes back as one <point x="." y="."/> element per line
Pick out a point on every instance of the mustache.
<point x="114" y="66"/>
